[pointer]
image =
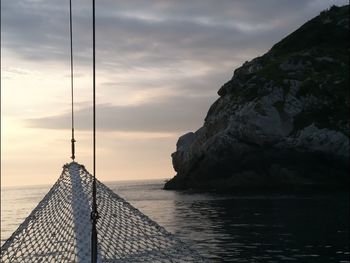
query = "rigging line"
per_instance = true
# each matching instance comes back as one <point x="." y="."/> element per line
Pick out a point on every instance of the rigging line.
<point x="71" y="78"/>
<point x="94" y="213"/>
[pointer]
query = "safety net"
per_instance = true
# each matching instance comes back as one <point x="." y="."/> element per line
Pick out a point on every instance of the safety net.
<point x="59" y="228"/>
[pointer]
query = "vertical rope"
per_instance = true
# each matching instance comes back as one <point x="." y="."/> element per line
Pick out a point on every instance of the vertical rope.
<point x="94" y="213"/>
<point x="71" y="78"/>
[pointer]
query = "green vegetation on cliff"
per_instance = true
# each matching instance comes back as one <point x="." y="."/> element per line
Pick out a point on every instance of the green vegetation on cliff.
<point x="281" y="122"/>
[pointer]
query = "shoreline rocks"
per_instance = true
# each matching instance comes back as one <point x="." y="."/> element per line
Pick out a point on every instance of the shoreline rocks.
<point x="281" y="122"/>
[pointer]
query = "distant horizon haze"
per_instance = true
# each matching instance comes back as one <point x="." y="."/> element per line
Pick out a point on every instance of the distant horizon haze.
<point x="159" y="67"/>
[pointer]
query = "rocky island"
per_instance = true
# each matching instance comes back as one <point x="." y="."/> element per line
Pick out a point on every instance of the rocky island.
<point x="281" y="122"/>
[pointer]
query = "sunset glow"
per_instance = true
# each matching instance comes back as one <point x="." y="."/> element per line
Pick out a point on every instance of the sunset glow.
<point x="159" y="66"/>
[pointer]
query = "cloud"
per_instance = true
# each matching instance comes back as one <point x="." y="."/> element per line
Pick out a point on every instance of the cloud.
<point x="189" y="47"/>
<point x="171" y="114"/>
<point x="159" y="66"/>
<point x="151" y="33"/>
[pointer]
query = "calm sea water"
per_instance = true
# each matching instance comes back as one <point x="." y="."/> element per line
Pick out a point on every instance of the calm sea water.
<point x="225" y="228"/>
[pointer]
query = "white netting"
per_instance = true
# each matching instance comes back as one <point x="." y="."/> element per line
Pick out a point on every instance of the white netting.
<point x="59" y="228"/>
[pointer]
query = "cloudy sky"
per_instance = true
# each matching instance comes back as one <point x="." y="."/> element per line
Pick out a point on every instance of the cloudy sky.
<point x="159" y="66"/>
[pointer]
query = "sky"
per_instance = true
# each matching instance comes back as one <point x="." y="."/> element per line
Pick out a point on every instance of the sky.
<point x="159" y="65"/>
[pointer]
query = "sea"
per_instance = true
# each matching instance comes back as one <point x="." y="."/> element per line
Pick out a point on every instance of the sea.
<point x="224" y="227"/>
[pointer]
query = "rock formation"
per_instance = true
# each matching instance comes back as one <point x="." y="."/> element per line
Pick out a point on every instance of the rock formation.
<point x="281" y="122"/>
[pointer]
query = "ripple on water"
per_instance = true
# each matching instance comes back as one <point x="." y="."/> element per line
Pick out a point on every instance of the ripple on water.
<point x="224" y="228"/>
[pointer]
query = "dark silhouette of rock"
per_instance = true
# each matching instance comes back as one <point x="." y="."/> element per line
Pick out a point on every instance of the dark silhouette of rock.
<point x="281" y="122"/>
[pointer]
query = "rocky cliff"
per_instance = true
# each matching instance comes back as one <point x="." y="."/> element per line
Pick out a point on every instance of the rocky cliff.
<point x="281" y="122"/>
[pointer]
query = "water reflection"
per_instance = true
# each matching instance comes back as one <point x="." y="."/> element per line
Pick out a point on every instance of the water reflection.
<point x="270" y="228"/>
<point x="225" y="228"/>
<point x="16" y="204"/>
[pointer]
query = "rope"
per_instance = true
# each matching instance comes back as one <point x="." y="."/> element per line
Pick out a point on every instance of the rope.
<point x="71" y="78"/>
<point x="94" y="213"/>
<point x="58" y="228"/>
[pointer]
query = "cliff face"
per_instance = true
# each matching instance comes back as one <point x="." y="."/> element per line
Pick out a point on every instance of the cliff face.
<point x="281" y="121"/>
